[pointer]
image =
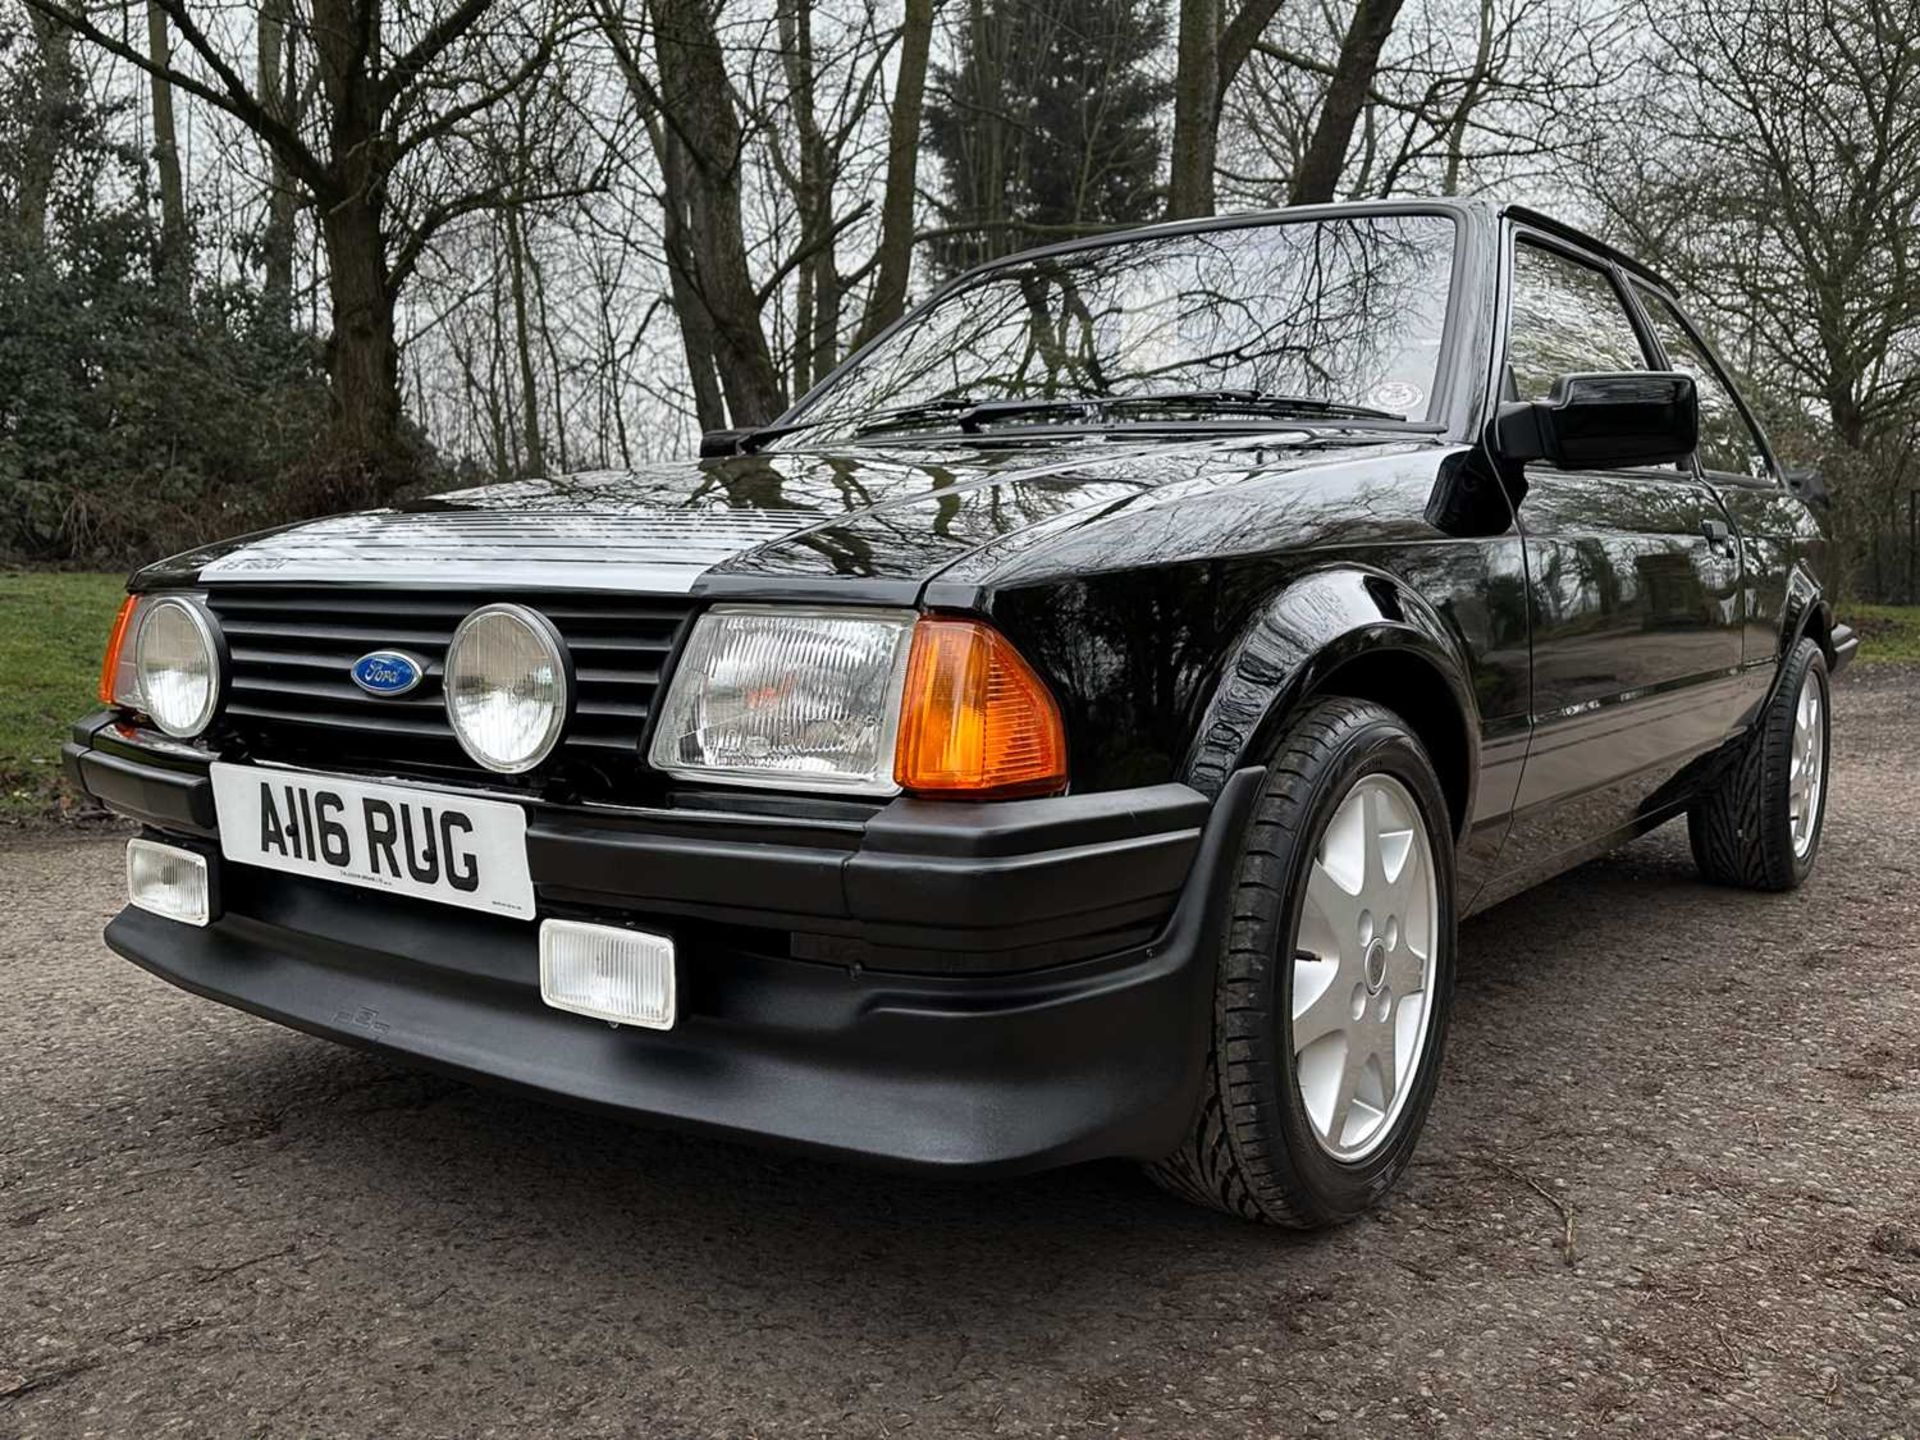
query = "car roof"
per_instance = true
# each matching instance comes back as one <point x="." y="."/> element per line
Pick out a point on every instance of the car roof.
<point x="1487" y="210"/>
<point x="1539" y="220"/>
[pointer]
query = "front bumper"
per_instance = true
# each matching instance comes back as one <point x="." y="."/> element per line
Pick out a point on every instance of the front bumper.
<point x="1846" y="644"/>
<point x="972" y="987"/>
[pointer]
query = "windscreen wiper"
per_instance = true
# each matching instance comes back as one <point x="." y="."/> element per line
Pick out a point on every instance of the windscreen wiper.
<point x="972" y="416"/>
<point x="1248" y="402"/>
<point x="907" y="416"/>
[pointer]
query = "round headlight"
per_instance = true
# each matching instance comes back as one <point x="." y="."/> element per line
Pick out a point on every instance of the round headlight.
<point x="178" y="664"/>
<point x="507" y="684"/>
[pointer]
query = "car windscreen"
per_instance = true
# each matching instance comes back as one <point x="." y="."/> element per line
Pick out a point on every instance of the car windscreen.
<point x="1347" y="311"/>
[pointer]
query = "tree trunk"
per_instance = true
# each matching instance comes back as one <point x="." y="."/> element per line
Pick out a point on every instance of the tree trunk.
<point x="363" y="356"/>
<point x="697" y="100"/>
<point x="49" y="123"/>
<point x="1211" y="51"/>
<point x="888" y="298"/>
<point x="1319" y="174"/>
<point x="278" y="86"/>
<point x="1196" y="111"/>
<point x="696" y="325"/>
<point x="1470" y="97"/>
<point x="556" y="431"/>
<point x="820" y="342"/>
<point x="363" y="360"/>
<point x="175" y="261"/>
<point x="812" y="187"/>
<point x="535" y="457"/>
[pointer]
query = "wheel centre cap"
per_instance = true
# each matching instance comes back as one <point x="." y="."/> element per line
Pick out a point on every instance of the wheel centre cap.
<point x="1376" y="966"/>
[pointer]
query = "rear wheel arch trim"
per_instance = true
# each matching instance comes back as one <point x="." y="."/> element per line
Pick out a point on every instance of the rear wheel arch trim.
<point x="1816" y="624"/>
<point x="1808" y="616"/>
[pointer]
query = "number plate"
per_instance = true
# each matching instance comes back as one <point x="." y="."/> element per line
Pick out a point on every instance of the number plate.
<point x="450" y="848"/>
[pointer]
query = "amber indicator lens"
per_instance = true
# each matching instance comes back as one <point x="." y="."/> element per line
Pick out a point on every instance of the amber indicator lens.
<point x="975" y="719"/>
<point x="115" y="688"/>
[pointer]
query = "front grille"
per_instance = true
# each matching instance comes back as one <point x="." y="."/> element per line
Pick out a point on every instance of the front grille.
<point x="291" y="696"/>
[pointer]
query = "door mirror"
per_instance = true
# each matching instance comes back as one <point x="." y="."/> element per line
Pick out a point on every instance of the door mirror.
<point x="1603" y="422"/>
<point x="1810" y="486"/>
<point x="717" y="444"/>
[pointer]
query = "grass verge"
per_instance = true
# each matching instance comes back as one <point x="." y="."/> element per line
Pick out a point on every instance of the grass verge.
<point x="1887" y="632"/>
<point x="52" y="630"/>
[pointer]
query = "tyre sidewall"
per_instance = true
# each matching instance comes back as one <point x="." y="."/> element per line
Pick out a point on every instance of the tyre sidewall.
<point x="1335" y="1189"/>
<point x="1806" y="658"/>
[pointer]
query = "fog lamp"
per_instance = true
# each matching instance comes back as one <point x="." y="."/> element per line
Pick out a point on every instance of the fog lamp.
<point x="625" y="976"/>
<point x="169" y="882"/>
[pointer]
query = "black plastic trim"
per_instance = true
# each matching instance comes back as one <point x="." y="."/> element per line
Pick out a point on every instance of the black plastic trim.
<point x="918" y="886"/>
<point x="170" y="799"/>
<point x="1846" y="645"/>
<point x="953" y="1074"/>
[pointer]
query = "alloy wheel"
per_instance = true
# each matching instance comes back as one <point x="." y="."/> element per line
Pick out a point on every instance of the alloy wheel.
<point x="1807" y="770"/>
<point x="1363" y="967"/>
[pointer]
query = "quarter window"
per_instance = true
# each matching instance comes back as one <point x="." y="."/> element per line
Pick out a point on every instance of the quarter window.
<point x="1567" y="317"/>
<point x="1728" y="442"/>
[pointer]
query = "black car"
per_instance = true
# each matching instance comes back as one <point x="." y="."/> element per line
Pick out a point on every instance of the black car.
<point x="1076" y="729"/>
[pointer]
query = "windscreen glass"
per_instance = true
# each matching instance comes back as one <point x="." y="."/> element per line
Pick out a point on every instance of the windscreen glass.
<point x="1349" y="312"/>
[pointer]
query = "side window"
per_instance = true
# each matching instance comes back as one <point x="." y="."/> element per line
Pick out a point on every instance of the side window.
<point x="1728" y="443"/>
<point x="1567" y="317"/>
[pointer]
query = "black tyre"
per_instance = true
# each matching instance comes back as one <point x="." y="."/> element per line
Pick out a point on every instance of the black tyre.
<point x="1336" y="981"/>
<point x="1759" y="828"/>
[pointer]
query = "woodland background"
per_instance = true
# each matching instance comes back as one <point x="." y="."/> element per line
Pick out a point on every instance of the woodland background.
<point x="265" y="261"/>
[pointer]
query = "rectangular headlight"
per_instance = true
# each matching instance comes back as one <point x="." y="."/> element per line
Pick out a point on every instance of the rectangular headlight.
<point x="788" y="697"/>
<point x="169" y="881"/>
<point x="625" y="976"/>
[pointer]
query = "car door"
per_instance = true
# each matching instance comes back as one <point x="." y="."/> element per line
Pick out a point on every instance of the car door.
<point x="1633" y="583"/>
<point x="1777" y="534"/>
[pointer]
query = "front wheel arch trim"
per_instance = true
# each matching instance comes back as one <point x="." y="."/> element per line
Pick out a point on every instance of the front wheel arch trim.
<point x="1348" y="624"/>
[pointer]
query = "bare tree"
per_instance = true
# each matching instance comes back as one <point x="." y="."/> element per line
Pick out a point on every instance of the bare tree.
<point x="176" y="256"/>
<point x="396" y="89"/>
<point x="1319" y="173"/>
<point x="894" y="258"/>
<point x="1463" y="95"/>
<point x="1785" y="190"/>
<point x="807" y="128"/>
<point x="55" y="92"/>
<point x="689" y="100"/>
<point x="1212" y="45"/>
<point x="278" y="87"/>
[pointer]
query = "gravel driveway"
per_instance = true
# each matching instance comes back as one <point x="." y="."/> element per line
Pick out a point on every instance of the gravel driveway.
<point x="1671" y="1187"/>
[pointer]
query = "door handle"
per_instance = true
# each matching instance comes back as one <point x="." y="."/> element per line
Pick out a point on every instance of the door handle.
<point x="1718" y="532"/>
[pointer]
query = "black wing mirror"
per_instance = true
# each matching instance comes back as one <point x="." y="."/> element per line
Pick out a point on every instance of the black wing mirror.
<point x="718" y="444"/>
<point x="1603" y="422"/>
<point x="1810" y="486"/>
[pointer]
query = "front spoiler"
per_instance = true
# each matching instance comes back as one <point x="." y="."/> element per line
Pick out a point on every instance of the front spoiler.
<point x="999" y="1074"/>
<point x="990" y="988"/>
<point x="1846" y="645"/>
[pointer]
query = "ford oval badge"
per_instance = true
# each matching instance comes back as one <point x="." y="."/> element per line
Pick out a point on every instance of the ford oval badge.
<point x="387" y="672"/>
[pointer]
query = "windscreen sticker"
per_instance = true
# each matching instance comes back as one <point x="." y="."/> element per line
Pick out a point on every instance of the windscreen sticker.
<point x="1401" y="396"/>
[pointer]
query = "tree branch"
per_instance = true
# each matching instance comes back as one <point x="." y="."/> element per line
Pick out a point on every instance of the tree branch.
<point x="410" y="66"/>
<point x="1238" y="38"/>
<point x="234" y="99"/>
<point x="443" y="124"/>
<point x="494" y="197"/>
<point x="1313" y="66"/>
<point x="806" y="252"/>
